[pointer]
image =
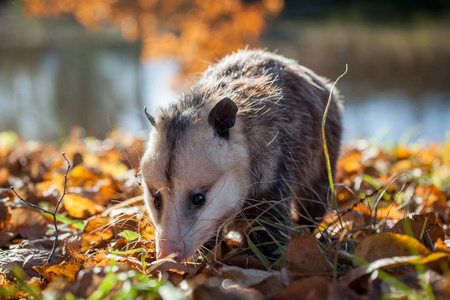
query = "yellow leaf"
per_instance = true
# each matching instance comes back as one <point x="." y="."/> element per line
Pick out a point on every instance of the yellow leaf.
<point x="401" y="166"/>
<point x="79" y="207"/>
<point x="386" y="244"/>
<point x="80" y="176"/>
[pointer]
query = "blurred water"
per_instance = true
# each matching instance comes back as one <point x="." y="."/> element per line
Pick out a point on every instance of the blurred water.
<point x="392" y="116"/>
<point x="47" y="92"/>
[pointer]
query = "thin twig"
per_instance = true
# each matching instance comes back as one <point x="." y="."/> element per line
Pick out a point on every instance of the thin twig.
<point x="55" y="242"/>
<point x="360" y="200"/>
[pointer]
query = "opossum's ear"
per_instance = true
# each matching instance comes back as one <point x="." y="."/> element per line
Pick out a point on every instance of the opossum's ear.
<point x="223" y="116"/>
<point x="149" y="117"/>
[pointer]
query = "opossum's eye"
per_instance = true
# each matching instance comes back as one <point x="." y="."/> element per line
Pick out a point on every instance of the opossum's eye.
<point x="157" y="201"/>
<point x="198" y="199"/>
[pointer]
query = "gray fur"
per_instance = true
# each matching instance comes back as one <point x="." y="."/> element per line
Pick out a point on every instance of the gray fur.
<point x="276" y="146"/>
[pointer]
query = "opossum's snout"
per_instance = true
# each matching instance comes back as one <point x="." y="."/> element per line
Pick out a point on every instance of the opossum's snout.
<point x="166" y="248"/>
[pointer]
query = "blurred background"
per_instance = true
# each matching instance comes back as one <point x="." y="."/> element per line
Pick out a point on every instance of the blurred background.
<point x="97" y="63"/>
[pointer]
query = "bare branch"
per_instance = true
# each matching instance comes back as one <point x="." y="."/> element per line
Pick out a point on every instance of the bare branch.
<point x="53" y="214"/>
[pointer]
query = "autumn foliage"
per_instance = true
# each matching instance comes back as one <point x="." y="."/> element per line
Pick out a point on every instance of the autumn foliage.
<point x="388" y="235"/>
<point x="196" y="32"/>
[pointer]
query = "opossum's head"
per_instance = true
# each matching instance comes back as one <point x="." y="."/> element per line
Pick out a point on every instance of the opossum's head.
<point x="193" y="174"/>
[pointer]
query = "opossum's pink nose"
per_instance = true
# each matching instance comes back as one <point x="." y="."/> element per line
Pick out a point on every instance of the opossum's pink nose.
<point x="166" y="248"/>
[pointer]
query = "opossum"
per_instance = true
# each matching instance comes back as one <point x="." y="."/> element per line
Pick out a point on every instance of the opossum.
<point x="244" y="146"/>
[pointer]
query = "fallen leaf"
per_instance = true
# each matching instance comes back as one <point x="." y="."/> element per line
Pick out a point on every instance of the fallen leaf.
<point x="79" y="207"/>
<point x="386" y="245"/>
<point x="25" y="259"/>
<point x="423" y="227"/>
<point x="401" y="166"/>
<point x="71" y="249"/>
<point x="80" y="176"/>
<point x="97" y="230"/>
<point x="214" y="288"/>
<point x="4" y="176"/>
<point x="431" y="194"/>
<point x="68" y="270"/>
<point x="27" y="223"/>
<point x="98" y="260"/>
<point x="5" y="216"/>
<point x="305" y="258"/>
<point x="246" y="277"/>
<point x="311" y="288"/>
<point x="439" y="246"/>
<point x="350" y="162"/>
<point x="164" y="265"/>
<point x="267" y="282"/>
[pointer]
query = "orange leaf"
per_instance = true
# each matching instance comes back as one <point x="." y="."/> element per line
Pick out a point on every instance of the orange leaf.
<point x="97" y="230"/>
<point x="79" y="207"/>
<point x="5" y="216"/>
<point x="99" y="260"/>
<point x="68" y="270"/>
<point x="351" y="162"/>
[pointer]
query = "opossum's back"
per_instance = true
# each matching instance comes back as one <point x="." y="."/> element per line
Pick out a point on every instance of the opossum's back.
<point x="281" y="105"/>
<point x="271" y="80"/>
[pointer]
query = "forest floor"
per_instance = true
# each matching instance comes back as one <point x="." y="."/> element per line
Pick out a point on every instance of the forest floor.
<point x="388" y="237"/>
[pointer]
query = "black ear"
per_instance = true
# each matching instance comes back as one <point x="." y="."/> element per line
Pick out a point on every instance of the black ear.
<point x="223" y="116"/>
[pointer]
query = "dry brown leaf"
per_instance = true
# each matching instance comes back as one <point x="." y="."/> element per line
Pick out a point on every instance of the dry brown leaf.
<point x="25" y="222"/>
<point x="96" y="232"/>
<point x="267" y="282"/>
<point x="246" y="277"/>
<point x="423" y="227"/>
<point x="431" y="194"/>
<point x="305" y="257"/>
<point x="5" y="216"/>
<point x="164" y="265"/>
<point x="214" y="288"/>
<point x="134" y="262"/>
<point x="98" y="260"/>
<point x="72" y="249"/>
<point x="311" y="288"/>
<point x="68" y="270"/>
<point x="386" y="245"/>
<point x="173" y="271"/>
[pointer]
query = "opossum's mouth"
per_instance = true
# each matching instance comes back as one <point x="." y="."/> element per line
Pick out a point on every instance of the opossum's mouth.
<point x="187" y="248"/>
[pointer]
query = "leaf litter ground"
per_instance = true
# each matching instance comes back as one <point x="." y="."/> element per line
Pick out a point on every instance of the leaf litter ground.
<point x="388" y="237"/>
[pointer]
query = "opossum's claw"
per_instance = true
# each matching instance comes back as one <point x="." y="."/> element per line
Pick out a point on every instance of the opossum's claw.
<point x="149" y="117"/>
